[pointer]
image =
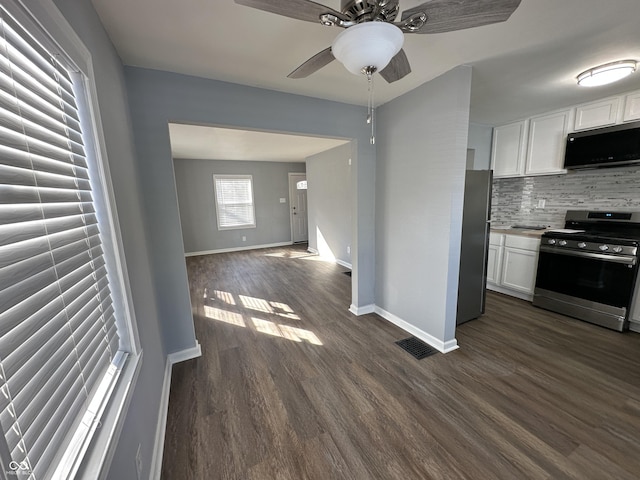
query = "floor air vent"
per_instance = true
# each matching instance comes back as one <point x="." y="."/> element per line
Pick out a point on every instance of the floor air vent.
<point x="416" y="347"/>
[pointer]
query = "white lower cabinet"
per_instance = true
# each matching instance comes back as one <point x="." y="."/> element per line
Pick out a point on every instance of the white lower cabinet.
<point x="512" y="264"/>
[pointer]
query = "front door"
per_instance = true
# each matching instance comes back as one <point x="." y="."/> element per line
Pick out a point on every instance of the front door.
<point x="298" y="202"/>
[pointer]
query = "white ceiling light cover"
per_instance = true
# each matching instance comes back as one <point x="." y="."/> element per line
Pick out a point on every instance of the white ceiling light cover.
<point x="369" y="44"/>
<point x="608" y="73"/>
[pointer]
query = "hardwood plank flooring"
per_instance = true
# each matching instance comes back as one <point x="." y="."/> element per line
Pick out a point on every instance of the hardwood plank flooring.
<point x="292" y="386"/>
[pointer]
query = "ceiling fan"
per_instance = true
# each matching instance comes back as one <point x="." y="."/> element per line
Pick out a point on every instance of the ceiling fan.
<point x="383" y="37"/>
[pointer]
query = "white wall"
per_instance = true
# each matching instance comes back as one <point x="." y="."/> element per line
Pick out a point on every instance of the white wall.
<point x="421" y="157"/>
<point x="196" y="199"/>
<point x="329" y="203"/>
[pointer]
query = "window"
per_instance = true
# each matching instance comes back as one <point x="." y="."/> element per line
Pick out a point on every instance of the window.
<point x="234" y="201"/>
<point x="61" y="340"/>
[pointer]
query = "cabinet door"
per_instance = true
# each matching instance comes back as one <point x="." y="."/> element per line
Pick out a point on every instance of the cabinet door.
<point x="546" y="144"/>
<point x="493" y="264"/>
<point x="597" y="114"/>
<point x="508" y="150"/>
<point x="631" y="107"/>
<point x="519" y="269"/>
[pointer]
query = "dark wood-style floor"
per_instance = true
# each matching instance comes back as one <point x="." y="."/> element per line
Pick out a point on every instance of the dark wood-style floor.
<point x="292" y="386"/>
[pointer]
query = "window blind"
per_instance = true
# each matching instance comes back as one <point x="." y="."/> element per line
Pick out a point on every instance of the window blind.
<point x="57" y="323"/>
<point x="234" y="201"/>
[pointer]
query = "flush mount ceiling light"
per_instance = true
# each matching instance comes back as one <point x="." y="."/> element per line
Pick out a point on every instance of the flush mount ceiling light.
<point x="607" y="73"/>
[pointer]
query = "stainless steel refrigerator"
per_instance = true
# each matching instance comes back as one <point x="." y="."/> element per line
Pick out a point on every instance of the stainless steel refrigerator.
<point x="476" y="218"/>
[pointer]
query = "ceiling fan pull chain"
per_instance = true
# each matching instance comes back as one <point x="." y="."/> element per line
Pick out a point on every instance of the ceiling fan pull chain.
<point x="370" y="108"/>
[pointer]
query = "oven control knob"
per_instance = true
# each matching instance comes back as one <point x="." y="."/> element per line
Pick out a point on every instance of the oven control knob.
<point x="551" y="241"/>
<point x="604" y="248"/>
<point x="562" y="243"/>
<point x="617" y="249"/>
<point x="582" y="245"/>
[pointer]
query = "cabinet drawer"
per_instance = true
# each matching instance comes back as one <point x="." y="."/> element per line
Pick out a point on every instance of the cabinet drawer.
<point x="496" y="238"/>
<point x="524" y="243"/>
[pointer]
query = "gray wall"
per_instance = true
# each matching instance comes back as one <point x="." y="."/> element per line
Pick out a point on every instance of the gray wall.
<point x="141" y="420"/>
<point x="515" y="200"/>
<point x="480" y="141"/>
<point x="196" y="200"/>
<point x="329" y="202"/>
<point x="157" y="98"/>
<point x="422" y="144"/>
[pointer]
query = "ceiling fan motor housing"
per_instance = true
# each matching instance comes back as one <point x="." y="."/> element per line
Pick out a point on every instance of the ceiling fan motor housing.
<point x="368" y="10"/>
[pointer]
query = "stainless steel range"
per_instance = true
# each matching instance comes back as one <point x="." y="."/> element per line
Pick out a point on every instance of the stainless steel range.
<point x="588" y="270"/>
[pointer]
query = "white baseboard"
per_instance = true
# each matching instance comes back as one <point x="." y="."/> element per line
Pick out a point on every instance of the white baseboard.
<point x="312" y="250"/>
<point x="158" y="447"/>
<point x="187" y="354"/>
<point x="444" y="347"/>
<point x="362" y="310"/>
<point x="343" y="263"/>
<point x="237" y="249"/>
<point x="634" y="326"/>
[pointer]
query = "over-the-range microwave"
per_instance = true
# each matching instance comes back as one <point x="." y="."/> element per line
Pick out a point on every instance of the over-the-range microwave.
<point x="603" y="147"/>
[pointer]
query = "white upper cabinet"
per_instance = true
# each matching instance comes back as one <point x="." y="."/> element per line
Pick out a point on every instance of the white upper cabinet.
<point x="535" y="146"/>
<point x="509" y="149"/>
<point x="597" y="114"/>
<point x="631" y="107"/>
<point x="547" y="140"/>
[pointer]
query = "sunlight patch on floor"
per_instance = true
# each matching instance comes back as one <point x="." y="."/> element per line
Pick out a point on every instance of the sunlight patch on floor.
<point x="302" y="254"/>
<point x="225" y="297"/>
<point x="266" y="306"/>
<point x="285" y="331"/>
<point x="224" y="316"/>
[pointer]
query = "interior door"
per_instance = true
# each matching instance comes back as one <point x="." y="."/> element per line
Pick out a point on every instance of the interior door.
<point x="298" y="203"/>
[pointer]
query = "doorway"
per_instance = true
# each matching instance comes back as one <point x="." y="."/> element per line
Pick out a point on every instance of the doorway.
<point x="298" y="207"/>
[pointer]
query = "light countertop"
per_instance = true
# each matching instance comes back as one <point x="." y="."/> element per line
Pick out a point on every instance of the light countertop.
<point x="518" y="231"/>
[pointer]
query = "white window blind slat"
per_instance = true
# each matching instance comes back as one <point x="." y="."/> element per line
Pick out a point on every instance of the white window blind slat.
<point x="31" y="336"/>
<point x="21" y="271"/>
<point x="65" y="418"/>
<point x="58" y="331"/>
<point x="19" y="158"/>
<point x="34" y="375"/>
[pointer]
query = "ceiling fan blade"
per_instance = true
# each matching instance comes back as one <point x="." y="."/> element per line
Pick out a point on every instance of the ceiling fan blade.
<point x="398" y="68"/>
<point x="314" y="64"/>
<point x="299" y="9"/>
<point x="450" y="15"/>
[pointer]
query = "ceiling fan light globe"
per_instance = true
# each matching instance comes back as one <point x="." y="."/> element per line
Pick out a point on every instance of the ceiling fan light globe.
<point x="369" y="44"/>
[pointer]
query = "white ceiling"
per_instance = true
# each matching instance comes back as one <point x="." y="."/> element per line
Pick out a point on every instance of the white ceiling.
<point x="524" y="66"/>
<point x="216" y="143"/>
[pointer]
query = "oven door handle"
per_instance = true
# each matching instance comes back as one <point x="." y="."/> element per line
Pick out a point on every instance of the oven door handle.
<point x="596" y="256"/>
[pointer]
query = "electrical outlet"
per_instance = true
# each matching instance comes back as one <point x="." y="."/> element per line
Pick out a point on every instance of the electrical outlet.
<point x="349" y="249"/>
<point x="139" y="461"/>
<point x="244" y="239"/>
<point x="541" y="202"/>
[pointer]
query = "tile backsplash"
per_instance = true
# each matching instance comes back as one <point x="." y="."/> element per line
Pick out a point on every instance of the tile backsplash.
<point x="515" y="200"/>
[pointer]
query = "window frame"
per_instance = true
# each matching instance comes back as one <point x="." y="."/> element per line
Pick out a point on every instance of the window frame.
<point x="217" y="177"/>
<point x="45" y="22"/>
